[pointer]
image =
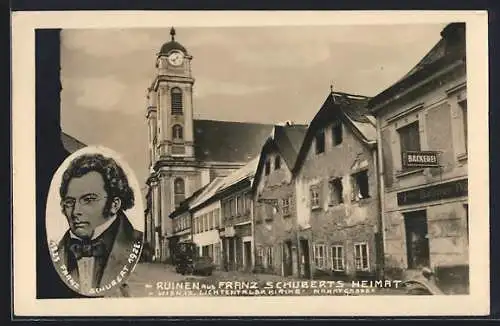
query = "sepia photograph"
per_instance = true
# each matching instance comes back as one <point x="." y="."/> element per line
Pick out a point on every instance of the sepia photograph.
<point x="98" y="240"/>
<point x="293" y="160"/>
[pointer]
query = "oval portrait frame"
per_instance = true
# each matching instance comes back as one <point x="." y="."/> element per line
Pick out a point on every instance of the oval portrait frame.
<point x="101" y="267"/>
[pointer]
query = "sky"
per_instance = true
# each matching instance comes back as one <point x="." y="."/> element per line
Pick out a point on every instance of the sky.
<point x="257" y="74"/>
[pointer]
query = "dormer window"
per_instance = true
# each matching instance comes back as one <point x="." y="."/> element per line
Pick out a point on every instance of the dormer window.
<point x="176" y="101"/>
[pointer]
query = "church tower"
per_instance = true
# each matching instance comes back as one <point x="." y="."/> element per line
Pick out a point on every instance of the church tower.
<point x="173" y="171"/>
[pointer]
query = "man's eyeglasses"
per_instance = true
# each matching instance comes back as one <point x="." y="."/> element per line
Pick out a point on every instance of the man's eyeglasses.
<point x="86" y="200"/>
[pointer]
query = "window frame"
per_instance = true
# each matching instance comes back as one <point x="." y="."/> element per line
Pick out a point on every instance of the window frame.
<point x="277" y="162"/>
<point x="269" y="257"/>
<point x="179" y="194"/>
<point x="355" y="185"/>
<point x="362" y="269"/>
<point x="465" y="125"/>
<point x="399" y="131"/>
<point x="267" y="167"/>
<point x="319" y="141"/>
<point x="176" y="108"/>
<point x="285" y="206"/>
<point x="320" y="262"/>
<point x="337" y="130"/>
<point x="314" y="196"/>
<point x="177" y="132"/>
<point x="333" y="189"/>
<point x="335" y="258"/>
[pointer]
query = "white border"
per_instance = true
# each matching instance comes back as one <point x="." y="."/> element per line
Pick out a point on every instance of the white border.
<point x="23" y="150"/>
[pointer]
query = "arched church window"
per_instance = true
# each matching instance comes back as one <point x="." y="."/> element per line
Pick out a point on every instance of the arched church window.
<point x="179" y="191"/>
<point x="176" y="98"/>
<point x="177" y="132"/>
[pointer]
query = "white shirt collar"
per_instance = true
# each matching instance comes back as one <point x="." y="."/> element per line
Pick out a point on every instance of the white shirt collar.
<point x="99" y="229"/>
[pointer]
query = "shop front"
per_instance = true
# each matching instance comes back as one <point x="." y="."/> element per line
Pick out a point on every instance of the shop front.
<point x="429" y="228"/>
<point x="237" y="247"/>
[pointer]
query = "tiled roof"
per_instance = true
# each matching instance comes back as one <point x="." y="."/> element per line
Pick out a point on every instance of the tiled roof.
<point x="352" y="109"/>
<point x="288" y="139"/>
<point x="208" y="192"/>
<point x="242" y="173"/>
<point x="448" y="50"/>
<point x="227" y="141"/>
<point x="184" y="205"/>
<point x="70" y="143"/>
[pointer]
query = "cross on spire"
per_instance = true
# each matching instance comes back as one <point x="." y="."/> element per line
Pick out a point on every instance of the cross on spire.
<point x="172" y="33"/>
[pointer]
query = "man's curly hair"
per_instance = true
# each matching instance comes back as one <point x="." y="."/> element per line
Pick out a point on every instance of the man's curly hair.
<point x="115" y="181"/>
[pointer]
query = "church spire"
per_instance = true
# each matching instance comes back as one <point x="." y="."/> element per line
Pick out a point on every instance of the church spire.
<point x="172" y="33"/>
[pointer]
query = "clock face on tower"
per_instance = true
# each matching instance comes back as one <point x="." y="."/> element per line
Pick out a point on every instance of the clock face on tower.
<point x="175" y="59"/>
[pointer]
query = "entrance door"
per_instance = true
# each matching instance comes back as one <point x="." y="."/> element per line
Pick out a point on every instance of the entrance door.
<point x="231" y="253"/>
<point x="287" y="258"/>
<point x="304" y="259"/>
<point x="417" y="242"/>
<point x="248" y="255"/>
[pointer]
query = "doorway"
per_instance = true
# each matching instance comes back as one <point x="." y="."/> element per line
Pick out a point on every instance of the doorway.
<point x="417" y="242"/>
<point x="304" y="259"/>
<point x="287" y="258"/>
<point x="247" y="247"/>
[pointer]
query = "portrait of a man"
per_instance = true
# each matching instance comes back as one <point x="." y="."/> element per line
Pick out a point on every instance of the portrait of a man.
<point x="100" y="239"/>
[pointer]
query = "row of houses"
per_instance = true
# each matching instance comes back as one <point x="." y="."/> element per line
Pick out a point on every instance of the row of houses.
<point x="369" y="186"/>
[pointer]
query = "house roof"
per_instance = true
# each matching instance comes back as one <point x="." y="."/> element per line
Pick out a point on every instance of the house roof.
<point x="351" y="109"/>
<point x="215" y="187"/>
<point x="184" y="205"/>
<point x="450" y="48"/>
<point x="70" y="143"/>
<point x="228" y="141"/>
<point x="242" y="173"/>
<point x="208" y="192"/>
<point x="287" y="140"/>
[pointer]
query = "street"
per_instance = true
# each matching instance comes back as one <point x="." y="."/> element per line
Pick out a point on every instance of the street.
<point x="149" y="279"/>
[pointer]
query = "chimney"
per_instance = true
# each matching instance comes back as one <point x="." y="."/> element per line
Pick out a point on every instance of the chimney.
<point x="454" y="37"/>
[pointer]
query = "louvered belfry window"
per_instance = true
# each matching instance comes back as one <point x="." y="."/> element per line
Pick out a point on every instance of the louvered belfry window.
<point x="176" y="98"/>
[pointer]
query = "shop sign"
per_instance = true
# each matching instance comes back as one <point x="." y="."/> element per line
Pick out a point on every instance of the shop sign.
<point x="228" y="232"/>
<point x="423" y="159"/>
<point x="441" y="191"/>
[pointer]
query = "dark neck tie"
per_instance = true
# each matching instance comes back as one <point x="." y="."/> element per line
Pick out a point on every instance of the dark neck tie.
<point x="86" y="248"/>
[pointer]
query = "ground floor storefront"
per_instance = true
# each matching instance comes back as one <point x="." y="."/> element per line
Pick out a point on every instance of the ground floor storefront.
<point x="237" y="247"/>
<point x="209" y="244"/>
<point x="428" y="227"/>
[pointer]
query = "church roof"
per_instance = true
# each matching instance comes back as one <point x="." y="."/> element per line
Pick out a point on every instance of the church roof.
<point x="70" y="143"/>
<point x="228" y="141"/>
<point x="172" y="44"/>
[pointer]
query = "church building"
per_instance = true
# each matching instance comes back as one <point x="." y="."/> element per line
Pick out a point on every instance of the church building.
<point x="185" y="154"/>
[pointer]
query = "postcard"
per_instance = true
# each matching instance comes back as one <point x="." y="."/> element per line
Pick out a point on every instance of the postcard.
<point x="250" y="163"/>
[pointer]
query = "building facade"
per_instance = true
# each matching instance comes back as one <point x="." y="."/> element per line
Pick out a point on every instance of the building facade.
<point x="206" y="220"/>
<point x="422" y="119"/>
<point x="236" y="231"/>
<point x="185" y="154"/>
<point x="337" y="192"/>
<point x="275" y="213"/>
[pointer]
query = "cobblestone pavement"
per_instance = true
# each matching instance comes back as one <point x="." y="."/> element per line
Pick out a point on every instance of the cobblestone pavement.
<point x="153" y="279"/>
